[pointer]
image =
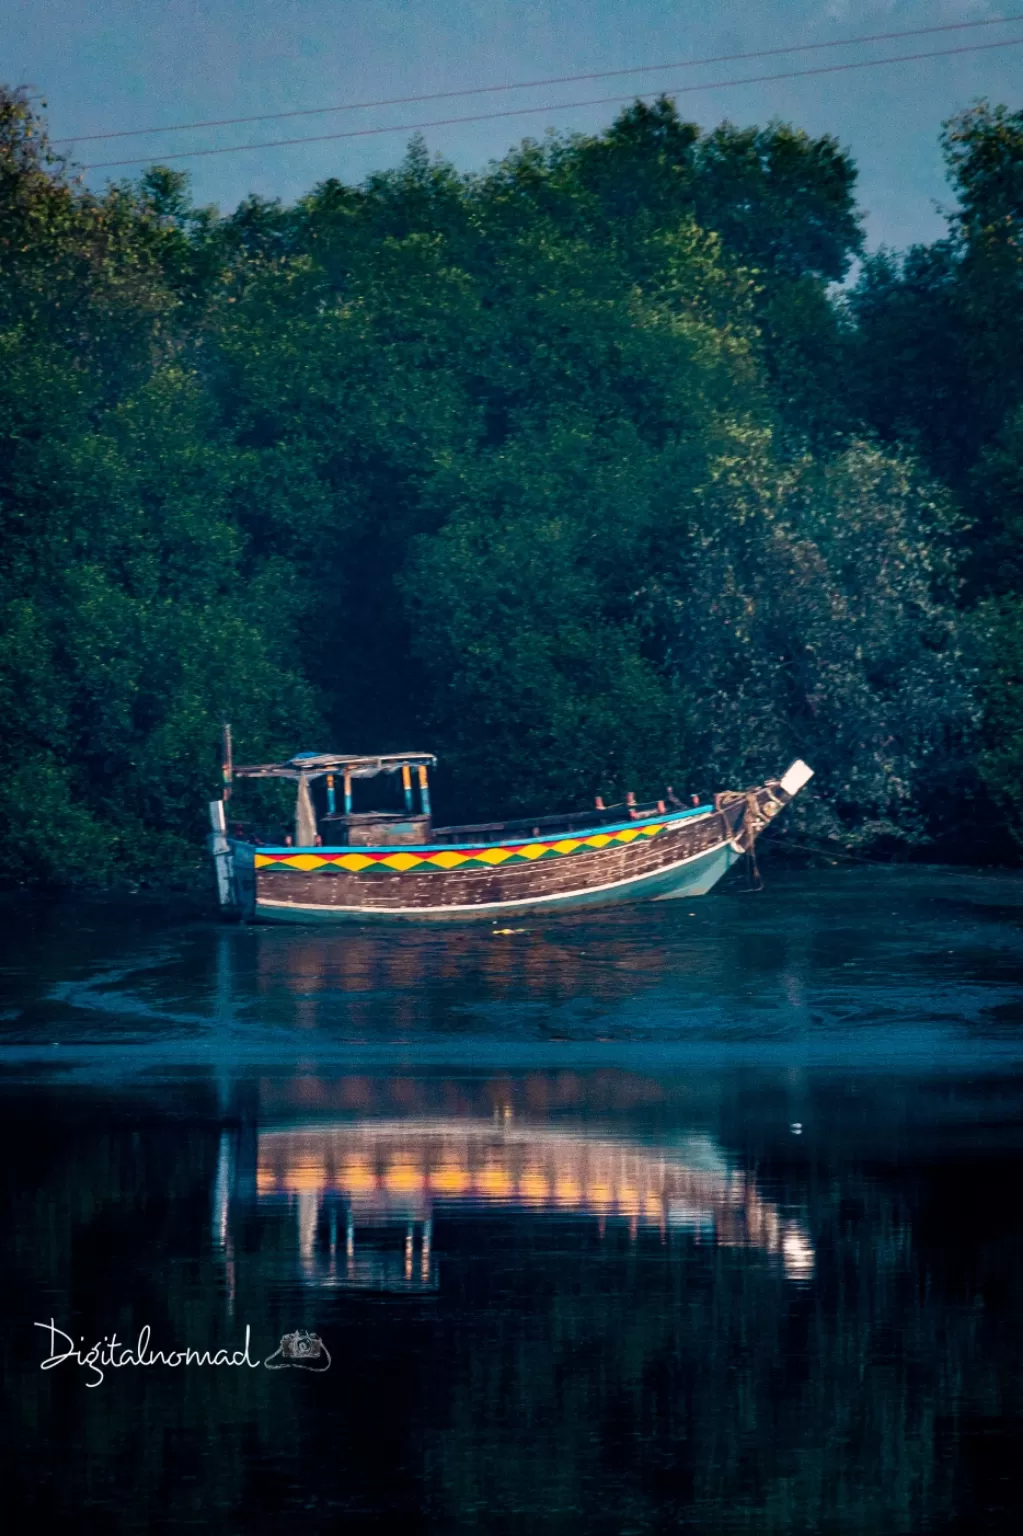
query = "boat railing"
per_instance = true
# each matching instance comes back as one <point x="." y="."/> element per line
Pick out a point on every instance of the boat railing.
<point x="534" y="826"/>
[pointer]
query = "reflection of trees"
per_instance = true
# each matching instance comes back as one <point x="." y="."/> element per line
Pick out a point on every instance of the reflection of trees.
<point x="699" y="1388"/>
<point x="560" y="1380"/>
<point x="107" y="1231"/>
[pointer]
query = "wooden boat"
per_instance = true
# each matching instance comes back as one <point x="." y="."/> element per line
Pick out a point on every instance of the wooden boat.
<point x="397" y="866"/>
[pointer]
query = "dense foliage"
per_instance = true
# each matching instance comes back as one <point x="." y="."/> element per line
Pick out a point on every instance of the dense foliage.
<point x="581" y="471"/>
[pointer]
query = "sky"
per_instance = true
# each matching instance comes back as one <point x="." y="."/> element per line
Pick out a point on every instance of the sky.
<point x="109" y="65"/>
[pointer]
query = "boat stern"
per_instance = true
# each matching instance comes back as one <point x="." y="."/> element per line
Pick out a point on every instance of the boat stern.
<point x="233" y="865"/>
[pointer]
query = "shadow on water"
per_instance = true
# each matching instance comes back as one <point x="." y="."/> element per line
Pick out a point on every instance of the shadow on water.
<point x="634" y="1223"/>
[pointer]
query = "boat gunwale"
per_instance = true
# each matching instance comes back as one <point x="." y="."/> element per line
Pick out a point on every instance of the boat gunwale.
<point x="274" y="850"/>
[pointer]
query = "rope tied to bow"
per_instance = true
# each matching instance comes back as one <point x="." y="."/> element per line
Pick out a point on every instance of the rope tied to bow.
<point x="753" y="823"/>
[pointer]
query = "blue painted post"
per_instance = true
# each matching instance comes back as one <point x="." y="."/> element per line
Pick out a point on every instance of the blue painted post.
<point x="348" y="793"/>
<point x="424" y="792"/>
<point x="331" y="801"/>
<point x="406" y="784"/>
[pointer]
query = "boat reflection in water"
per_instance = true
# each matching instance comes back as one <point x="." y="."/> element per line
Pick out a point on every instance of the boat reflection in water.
<point x="367" y="1193"/>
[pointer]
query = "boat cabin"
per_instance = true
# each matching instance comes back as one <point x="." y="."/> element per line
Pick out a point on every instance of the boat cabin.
<point x="329" y="817"/>
<point x="339" y="824"/>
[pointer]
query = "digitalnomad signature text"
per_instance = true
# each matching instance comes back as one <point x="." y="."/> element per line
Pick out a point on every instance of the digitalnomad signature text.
<point x="111" y="1354"/>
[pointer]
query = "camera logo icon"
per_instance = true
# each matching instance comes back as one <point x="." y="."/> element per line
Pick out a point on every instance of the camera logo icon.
<point x="304" y="1351"/>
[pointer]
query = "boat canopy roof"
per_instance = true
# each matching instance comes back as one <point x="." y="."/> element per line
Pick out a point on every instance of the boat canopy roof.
<point x="313" y="765"/>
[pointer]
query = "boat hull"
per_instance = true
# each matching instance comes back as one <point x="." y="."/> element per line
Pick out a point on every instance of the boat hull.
<point x="693" y="876"/>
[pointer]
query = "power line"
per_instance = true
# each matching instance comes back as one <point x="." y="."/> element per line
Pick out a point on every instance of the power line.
<point x="523" y="85"/>
<point x="562" y="106"/>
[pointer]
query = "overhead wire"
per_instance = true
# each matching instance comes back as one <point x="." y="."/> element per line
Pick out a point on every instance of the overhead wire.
<point x="564" y="106"/>
<point x="525" y="85"/>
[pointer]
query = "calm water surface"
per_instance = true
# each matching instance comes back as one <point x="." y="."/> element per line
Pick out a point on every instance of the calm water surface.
<point x="690" y="1216"/>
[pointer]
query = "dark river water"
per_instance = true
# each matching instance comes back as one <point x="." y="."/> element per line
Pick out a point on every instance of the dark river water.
<point x="690" y="1216"/>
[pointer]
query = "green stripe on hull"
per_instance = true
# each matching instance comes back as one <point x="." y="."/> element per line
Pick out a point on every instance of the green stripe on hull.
<point x="692" y="877"/>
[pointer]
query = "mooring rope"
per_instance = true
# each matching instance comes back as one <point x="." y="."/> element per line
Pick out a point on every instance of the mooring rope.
<point x="753" y="823"/>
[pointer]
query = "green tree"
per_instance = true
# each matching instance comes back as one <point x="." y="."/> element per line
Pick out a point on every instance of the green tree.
<point x="135" y="617"/>
<point x="555" y="466"/>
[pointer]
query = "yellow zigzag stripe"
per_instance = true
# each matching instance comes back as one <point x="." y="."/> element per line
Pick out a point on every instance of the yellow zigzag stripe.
<point x="450" y="858"/>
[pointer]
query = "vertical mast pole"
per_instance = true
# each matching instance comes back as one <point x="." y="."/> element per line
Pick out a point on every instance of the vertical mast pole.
<point x="424" y="791"/>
